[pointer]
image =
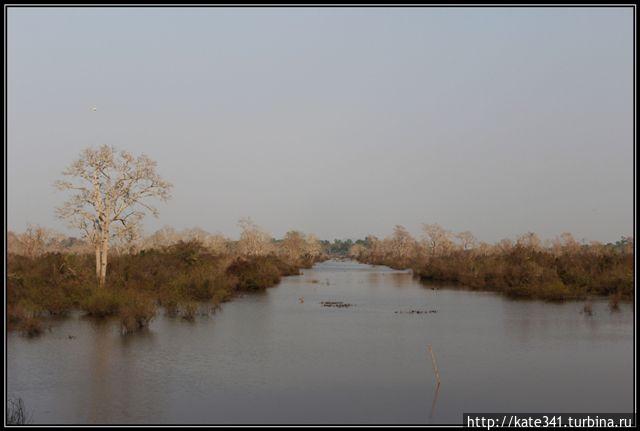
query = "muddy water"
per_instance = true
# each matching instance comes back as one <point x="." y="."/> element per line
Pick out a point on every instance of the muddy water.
<point x="283" y="357"/>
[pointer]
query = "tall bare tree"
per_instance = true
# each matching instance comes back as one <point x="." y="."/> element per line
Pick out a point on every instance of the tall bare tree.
<point x="111" y="193"/>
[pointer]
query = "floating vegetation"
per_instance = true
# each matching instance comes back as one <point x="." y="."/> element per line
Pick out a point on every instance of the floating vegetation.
<point x="415" y="311"/>
<point x="336" y="304"/>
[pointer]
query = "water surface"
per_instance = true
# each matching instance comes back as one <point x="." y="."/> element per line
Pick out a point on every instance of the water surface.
<point x="272" y="358"/>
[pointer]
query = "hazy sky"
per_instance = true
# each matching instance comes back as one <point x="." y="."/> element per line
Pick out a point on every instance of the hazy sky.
<point x="340" y="122"/>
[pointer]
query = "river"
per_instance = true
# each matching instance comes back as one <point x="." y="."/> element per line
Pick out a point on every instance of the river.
<point x="282" y="357"/>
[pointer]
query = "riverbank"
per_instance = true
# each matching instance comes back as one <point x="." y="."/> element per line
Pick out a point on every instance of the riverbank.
<point x="525" y="272"/>
<point x="181" y="279"/>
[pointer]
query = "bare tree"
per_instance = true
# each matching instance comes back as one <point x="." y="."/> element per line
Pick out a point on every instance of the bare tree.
<point x="110" y="197"/>
<point x="313" y="247"/>
<point x="296" y="246"/>
<point x="437" y="239"/>
<point x="357" y="251"/>
<point x="195" y="234"/>
<point x="36" y="240"/>
<point x="376" y="250"/>
<point x="503" y="246"/>
<point x="467" y="240"/>
<point x="254" y="241"/>
<point x="293" y="246"/>
<point x="565" y="243"/>
<point x="529" y="240"/>
<point x="401" y="244"/>
<point x="163" y="237"/>
<point x="33" y="241"/>
<point x="217" y="244"/>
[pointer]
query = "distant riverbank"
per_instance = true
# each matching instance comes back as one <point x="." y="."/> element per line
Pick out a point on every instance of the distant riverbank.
<point x="521" y="270"/>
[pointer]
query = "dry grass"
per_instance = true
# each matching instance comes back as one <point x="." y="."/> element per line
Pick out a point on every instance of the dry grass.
<point x="17" y="413"/>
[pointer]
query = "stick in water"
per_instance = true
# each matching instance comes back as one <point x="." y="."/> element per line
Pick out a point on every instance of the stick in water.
<point x="435" y="365"/>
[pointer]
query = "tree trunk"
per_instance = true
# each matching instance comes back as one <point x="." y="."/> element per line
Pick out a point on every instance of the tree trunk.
<point x="103" y="260"/>
<point x="98" y="260"/>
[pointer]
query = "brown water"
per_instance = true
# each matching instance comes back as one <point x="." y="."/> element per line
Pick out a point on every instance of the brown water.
<point x="268" y="358"/>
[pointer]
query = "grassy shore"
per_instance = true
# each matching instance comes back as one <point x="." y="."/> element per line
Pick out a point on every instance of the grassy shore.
<point x="180" y="278"/>
<point x="520" y="270"/>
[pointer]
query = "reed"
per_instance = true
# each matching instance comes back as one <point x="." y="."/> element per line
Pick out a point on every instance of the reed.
<point x="434" y="364"/>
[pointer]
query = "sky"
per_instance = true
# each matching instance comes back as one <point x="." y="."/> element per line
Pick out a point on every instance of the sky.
<point x="341" y="122"/>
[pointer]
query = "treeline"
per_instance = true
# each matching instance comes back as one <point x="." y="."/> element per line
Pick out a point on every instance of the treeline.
<point x="557" y="269"/>
<point x="184" y="273"/>
<point x="38" y="240"/>
<point x="340" y="247"/>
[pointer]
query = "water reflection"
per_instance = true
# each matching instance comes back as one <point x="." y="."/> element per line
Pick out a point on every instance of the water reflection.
<point x="99" y="377"/>
<point x="435" y="400"/>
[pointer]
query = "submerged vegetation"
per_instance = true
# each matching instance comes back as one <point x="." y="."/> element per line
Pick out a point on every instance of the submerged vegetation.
<point x="562" y="268"/>
<point x="180" y="272"/>
<point x="16" y="412"/>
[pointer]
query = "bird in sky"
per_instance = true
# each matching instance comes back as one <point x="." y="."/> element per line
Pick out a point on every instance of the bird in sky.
<point x="94" y="108"/>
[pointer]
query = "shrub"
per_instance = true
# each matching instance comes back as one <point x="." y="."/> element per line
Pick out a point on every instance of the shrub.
<point x="189" y="311"/>
<point x="173" y="276"/>
<point x="102" y="302"/>
<point x="136" y="312"/>
<point x="614" y="302"/>
<point x="527" y="272"/>
<point x="31" y="327"/>
<point x="553" y="291"/>
<point x="171" y="306"/>
<point x="256" y="273"/>
<point x="221" y="295"/>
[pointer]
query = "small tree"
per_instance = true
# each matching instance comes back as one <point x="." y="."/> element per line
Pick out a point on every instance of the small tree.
<point x="110" y="199"/>
<point x="293" y="246"/>
<point x="33" y="241"/>
<point x="437" y="239"/>
<point x="467" y="240"/>
<point x="312" y="248"/>
<point x="254" y="241"/>
<point x="401" y="244"/>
